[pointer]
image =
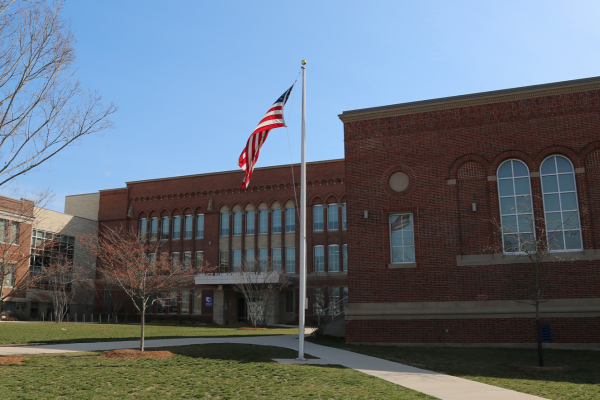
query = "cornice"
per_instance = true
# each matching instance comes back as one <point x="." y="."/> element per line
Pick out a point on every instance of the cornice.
<point x="475" y="99"/>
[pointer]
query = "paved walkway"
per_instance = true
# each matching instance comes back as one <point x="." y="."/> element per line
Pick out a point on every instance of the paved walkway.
<point x="442" y="386"/>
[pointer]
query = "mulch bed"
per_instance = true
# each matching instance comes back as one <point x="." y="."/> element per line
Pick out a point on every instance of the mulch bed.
<point x="557" y="368"/>
<point x="251" y="329"/>
<point x="130" y="354"/>
<point x="12" y="360"/>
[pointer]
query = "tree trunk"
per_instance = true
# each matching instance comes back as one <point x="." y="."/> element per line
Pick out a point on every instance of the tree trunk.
<point x="538" y="326"/>
<point x="143" y="328"/>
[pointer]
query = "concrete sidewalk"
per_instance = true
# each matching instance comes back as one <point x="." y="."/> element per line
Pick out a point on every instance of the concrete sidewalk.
<point x="442" y="386"/>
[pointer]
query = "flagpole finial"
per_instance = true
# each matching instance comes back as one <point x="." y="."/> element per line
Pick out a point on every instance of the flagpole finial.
<point x="303" y="62"/>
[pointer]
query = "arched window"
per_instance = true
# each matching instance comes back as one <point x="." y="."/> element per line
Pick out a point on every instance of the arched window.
<point x="561" y="207"/>
<point x="516" y="209"/>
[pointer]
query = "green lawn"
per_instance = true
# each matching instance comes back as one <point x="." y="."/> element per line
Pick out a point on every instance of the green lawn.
<point x="489" y="366"/>
<point x="223" y="371"/>
<point x="43" y="333"/>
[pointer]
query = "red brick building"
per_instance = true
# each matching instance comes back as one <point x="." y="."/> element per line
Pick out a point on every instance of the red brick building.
<point x="425" y="181"/>
<point x="207" y="217"/>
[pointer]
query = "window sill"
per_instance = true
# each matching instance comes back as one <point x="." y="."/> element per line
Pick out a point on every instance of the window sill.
<point x="499" y="259"/>
<point x="403" y="265"/>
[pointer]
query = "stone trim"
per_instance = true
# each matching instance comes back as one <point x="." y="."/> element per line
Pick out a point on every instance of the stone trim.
<point x="472" y="309"/>
<point x="474" y="99"/>
<point x="451" y="181"/>
<point x="499" y="258"/>
<point x="492" y="178"/>
<point x="580" y="170"/>
<point x="403" y="265"/>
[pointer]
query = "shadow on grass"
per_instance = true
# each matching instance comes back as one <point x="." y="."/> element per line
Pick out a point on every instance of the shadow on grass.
<point x="483" y="362"/>
<point x="244" y="353"/>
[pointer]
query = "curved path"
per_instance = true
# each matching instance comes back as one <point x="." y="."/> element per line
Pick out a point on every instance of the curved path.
<point x="442" y="386"/>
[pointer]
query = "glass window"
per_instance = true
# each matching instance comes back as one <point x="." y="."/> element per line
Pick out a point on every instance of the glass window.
<point x="345" y="289"/>
<point x="289" y="301"/>
<point x="263" y="222"/>
<point x="143" y="228"/>
<point x="14" y="231"/>
<point x="276" y="259"/>
<point x="318" y="302"/>
<point x="334" y="297"/>
<point x="333" y="258"/>
<point x="344" y="216"/>
<point x="250" y="260"/>
<point x="250" y="222"/>
<point x="9" y="277"/>
<point x="319" y="259"/>
<point x="223" y="261"/>
<point x="199" y="261"/>
<point x="153" y="229"/>
<point x="3" y="230"/>
<point x="197" y="302"/>
<point x="290" y="260"/>
<point x="224" y="224"/>
<point x="277" y="221"/>
<point x="187" y="233"/>
<point x="187" y="259"/>
<point x="345" y="257"/>
<point x="402" y="238"/>
<point x="175" y="258"/>
<point x="160" y="304"/>
<point x="164" y="232"/>
<point x="263" y="259"/>
<point x="290" y="220"/>
<point x="318" y="218"/>
<point x="237" y="260"/>
<point x="561" y="206"/>
<point x="177" y="227"/>
<point x="171" y="303"/>
<point x="200" y="226"/>
<point x="185" y="301"/>
<point x="237" y="223"/>
<point x="516" y="210"/>
<point x="332" y="217"/>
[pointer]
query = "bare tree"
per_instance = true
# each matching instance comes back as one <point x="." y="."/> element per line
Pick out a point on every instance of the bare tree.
<point x="259" y="282"/>
<point x="43" y="107"/>
<point x="535" y="240"/>
<point x="15" y="243"/>
<point x="127" y="260"/>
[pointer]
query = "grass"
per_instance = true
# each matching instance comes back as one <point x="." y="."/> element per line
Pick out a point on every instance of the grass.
<point x="45" y="333"/>
<point x="489" y="365"/>
<point x="224" y="371"/>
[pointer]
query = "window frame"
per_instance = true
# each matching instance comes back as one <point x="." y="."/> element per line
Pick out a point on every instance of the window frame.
<point x="322" y="248"/>
<point x="176" y="234"/>
<point x="152" y="231"/>
<point x="322" y="218"/>
<point x="164" y="233"/>
<point x="276" y="266"/>
<point x="345" y="255"/>
<point x="276" y="228"/>
<point x="290" y="222"/>
<point x="344" y="220"/>
<point x="224" y="224"/>
<point x="290" y="250"/>
<point x="237" y="223"/>
<point x="330" y="214"/>
<point x="199" y="226"/>
<point x="190" y="218"/>
<point x="329" y="254"/>
<point x="250" y="225"/>
<point x="412" y="216"/>
<point x="260" y="220"/>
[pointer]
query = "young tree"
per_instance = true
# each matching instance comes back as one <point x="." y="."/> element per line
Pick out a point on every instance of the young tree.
<point x="43" y="107"/>
<point x="535" y="240"/>
<point x="128" y="261"/>
<point x="259" y="282"/>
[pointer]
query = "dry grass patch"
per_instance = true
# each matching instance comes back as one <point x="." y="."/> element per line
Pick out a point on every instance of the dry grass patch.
<point x="130" y="354"/>
<point x="12" y="360"/>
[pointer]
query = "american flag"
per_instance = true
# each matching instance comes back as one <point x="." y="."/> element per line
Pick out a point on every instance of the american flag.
<point x="272" y="119"/>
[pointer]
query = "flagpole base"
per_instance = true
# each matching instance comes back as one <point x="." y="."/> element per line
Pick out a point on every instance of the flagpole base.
<point x="300" y="359"/>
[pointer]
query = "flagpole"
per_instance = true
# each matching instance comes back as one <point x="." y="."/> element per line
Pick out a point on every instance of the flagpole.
<point x="302" y="304"/>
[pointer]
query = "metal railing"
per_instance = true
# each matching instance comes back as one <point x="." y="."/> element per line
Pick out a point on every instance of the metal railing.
<point x="331" y="313"/>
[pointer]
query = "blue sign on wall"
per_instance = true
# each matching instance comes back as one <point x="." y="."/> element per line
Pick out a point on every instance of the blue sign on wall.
<point x="208" y="302"/>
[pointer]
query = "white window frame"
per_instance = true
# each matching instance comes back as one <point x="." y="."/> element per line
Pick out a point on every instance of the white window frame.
<point x="280" y="220"/>
<point x="185" y="231"/>
<point x="165" y="235"/>
<point x="235" y="214"/>
<point x="315" y="258"/>
<point x="329" y="264"/>
<point x="260" y="212"/>
<point x="253" y="224"/>
<point x="176" y="227"/>
<point x="390" y="239"/>
<point x="293" y="251"/>
<point x="199" y="217"/>
<point x="287" y="220"/>
<point x="337" y="216"/>
<point x="221" y="224"/>
<point x="151" y="222"/>
<point x="322" y="218"/>
<point x="281" y="260"/>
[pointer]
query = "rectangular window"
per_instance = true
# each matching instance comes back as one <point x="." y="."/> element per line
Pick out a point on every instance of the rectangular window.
<point x="276" y="259"/>
<point x="143" y="228"/>
<point x="3" y="230"/>
<point x="175" y="258"/>
<point x="200" y="226"/>
<point x="164" y="233"/>
<point x="289" y="301"/>
<point x="250" y="260"/>
<point x="333" y="258"/>
<point x="187" y="259"/>
<point x="177" y="227"/>
<point x="263" y="222"/>
<point x="160" y="304"/>
<point x="223" y="261"/>
<point x="332" y="217"/>
<point x="224" y="224"/>
<point x="237" y="224"/>
<point x="276" y="221"/>
<point x="153" y="229"/>
<point x="290" y="220"/>
<point x="199" y="261"/>
<point x="345" y="289"/>
<point x="334" y="297"/>
<point x="319" y="259"/>
<point x="344" y="216"/>
<point x="402" y="242"/>
<point x="345" y="257"/>
<point x="185" y="301"/>
<point x="187" y="233"/>
<point x="197" y="302"/>
<point x="290" y="260"/>
<point x="237" y="260"/>
<point x="9" y="277"/>
<point x="250" y="222"/>
<point x="318" y="300"/>
<point x="263" y="259"/>
<point x="171" y="303"/>
<point x="317" y="218"/>
<point x="14" y="232"/>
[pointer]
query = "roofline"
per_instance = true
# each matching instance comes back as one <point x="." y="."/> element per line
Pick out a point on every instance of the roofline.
<point x="225" y="172"/>
<point x="81" y="194"/>
<point x="473" y="99"/>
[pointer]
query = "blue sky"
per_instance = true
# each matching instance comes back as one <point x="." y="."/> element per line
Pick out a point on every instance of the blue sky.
<point x="193" y="78"/>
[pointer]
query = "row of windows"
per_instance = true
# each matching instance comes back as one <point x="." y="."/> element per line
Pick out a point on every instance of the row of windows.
<point x="46" y="247"/>
<point x="172" y="229"/>
<point x="332" y="217"/>
<point x="188" y="302"/>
